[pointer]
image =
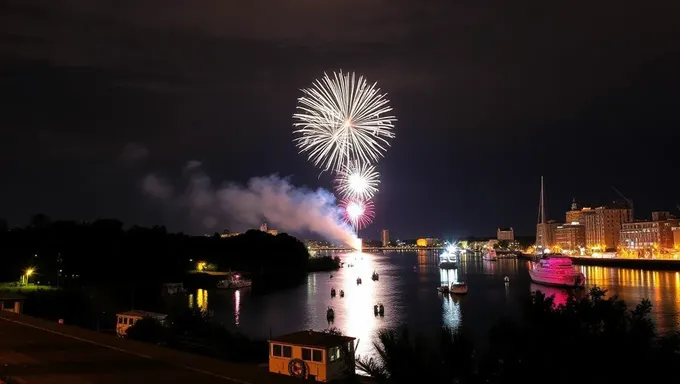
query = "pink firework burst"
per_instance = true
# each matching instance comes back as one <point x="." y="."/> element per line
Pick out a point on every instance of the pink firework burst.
<point x="359" y="213"/>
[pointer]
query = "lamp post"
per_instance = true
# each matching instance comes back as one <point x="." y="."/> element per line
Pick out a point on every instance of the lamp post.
<point x="27" y="274"/>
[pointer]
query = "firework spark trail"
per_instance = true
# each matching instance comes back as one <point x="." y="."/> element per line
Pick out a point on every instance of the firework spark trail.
<point x="357" y="180"/>
<point x="359" y="213"/>
<point x="342" y="119"/>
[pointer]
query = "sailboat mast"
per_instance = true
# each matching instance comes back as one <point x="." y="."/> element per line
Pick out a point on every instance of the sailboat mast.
<point x="542" y="203"/>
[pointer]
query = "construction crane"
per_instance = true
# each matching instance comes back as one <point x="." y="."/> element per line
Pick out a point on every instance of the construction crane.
<point x="629" y="201"/>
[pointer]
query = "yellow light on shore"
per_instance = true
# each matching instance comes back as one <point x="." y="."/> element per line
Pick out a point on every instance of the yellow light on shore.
<point x="29" y="272"/>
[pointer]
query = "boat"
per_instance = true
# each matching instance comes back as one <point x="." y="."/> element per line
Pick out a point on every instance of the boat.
<point x="330" y="314"/>
<point x="342" y="293"/>
<point x="459" y="288"/>
<point x="375" y="276"/>
<point x="552" y="269"/>
<point x="234" y="281"/>
<point x="506" y="280"/>
<point x="447" y="261"/>
<point x="332" y="292"/>
<point x="556" y="270"/>
<point x="379" y="309"/>
<point x="358" y="280"/>
<point x="443" y="289"/>
<point x="490" y="255"/>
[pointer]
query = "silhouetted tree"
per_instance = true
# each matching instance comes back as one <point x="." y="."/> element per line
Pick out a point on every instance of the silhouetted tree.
<point x="147" y="330"/>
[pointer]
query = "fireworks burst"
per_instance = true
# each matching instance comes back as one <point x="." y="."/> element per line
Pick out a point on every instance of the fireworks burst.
<point x="342" y="118"/>
<point x="359" y="213"/>
<point x="357" y="181"/>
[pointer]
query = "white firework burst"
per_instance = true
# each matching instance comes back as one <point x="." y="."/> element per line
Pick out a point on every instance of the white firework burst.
<point x="357" y="181"/>
<point x="341" y="119"/>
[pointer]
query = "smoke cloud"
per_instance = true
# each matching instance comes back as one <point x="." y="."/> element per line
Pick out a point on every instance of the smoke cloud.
<point x="270" y="199"/>
<point x="156" y="187"/>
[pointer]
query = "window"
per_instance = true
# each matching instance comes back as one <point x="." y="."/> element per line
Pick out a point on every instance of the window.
<point x="317" y="355"/>
<point x="306" y="354"/>
<point x="287" y="351"/>
<point x="120" y="320"/>
<point x="276" y="350"/>
<point x="334" y="354"/>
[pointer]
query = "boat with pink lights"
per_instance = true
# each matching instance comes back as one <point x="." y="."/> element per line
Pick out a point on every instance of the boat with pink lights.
<point x="234" y="281"/>
<point x="490" y="255"/>
<point x="556" y="270"/>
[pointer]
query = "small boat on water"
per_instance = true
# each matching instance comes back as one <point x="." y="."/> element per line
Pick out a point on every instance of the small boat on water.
<point x="375" y="276"/>
<point x="234" y="281"/>
<point x="342" y="293"/>
<point x="379" y="309"/>
<point x="330" y="314"/>
<point x="490" y="255"/>
<point x="556" y="270"/>
<point x="332" y="292"/>
<point x="506" y="279"/>
<point x="459" y="288"/>
<point x="443" y="289"/>
<point x="358" y="280"/>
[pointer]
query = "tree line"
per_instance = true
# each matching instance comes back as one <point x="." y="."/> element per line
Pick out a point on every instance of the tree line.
<point x="70" y="252"/>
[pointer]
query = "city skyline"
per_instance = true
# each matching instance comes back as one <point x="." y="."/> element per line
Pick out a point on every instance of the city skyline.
<point x="94" y="121"/>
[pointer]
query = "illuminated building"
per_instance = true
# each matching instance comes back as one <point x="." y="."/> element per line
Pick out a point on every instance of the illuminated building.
<point x="676" y="237"/>
<point x="505" y="234"/>
<point x="646" y="234"/>
<point x="575" y="215"/>
<point x="570" y="236"/>
<point x="385" y="237"/>
<point x="426" y="242"/>
<point x="603" y="226"/>
<point x="545" y="233"/>
<point x="228" y="233"/>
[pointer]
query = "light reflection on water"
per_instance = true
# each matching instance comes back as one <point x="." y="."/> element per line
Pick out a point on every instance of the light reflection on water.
<point x="407" y="288"/>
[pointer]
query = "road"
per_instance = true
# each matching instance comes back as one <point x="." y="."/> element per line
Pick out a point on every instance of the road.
<point x="34" y="351"/>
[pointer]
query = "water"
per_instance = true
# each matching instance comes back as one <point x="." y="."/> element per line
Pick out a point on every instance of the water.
<point x="407" y="288"/>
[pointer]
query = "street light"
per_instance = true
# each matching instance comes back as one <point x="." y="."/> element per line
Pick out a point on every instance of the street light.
<point x="28" y="273"/>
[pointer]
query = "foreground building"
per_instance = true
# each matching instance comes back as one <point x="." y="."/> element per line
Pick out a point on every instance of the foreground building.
<point x="311" y="355"/>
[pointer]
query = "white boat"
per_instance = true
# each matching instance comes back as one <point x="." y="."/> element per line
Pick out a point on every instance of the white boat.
<point x="490" y="255"/>
<point x="459" y="288"/>
<point x="443" y="289"/>
<point x="448" y="261"/>
<point x="556" y="270"/>
<point x="234" y="281"/>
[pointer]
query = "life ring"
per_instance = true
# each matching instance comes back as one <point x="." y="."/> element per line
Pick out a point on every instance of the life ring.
<point x="297" y="368"/>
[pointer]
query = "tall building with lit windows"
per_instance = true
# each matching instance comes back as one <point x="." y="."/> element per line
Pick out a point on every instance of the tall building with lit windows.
<point x="603" y="226"/>
<point x="385" y="237"/>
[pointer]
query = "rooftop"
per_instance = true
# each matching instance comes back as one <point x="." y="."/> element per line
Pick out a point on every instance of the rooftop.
<point x="313" y="339"/>
<point x="142" y="314"/>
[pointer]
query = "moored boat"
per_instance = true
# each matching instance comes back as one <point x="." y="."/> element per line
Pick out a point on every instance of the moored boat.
<point x="490" y="255"/>
<point x="459" y="288"/>
<point x="556" y="270"/>
<point x="234" y="281"/>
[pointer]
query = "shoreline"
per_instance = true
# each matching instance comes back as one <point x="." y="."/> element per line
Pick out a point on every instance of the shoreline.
<point x="647" y="264"/>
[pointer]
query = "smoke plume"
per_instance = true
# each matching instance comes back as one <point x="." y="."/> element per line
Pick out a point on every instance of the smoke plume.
<point x="270" y="199"/>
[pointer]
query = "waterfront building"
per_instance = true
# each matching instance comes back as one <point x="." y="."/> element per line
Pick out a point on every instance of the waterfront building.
<point x="603" y="226"/>
<point x="571" y="236"/>
<point x="385" y="237"/>
<point x="545" y="233"/>
<point x="676" y="237"/>
<point x="649" y="234"/>
<point x="507" y="234"/>
<point x="427" y="242"/>
<point x="311" y="355"/>
<point x="575" y="214"/>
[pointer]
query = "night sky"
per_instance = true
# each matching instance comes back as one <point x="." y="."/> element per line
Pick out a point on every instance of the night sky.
<point x="490" y="95"/>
